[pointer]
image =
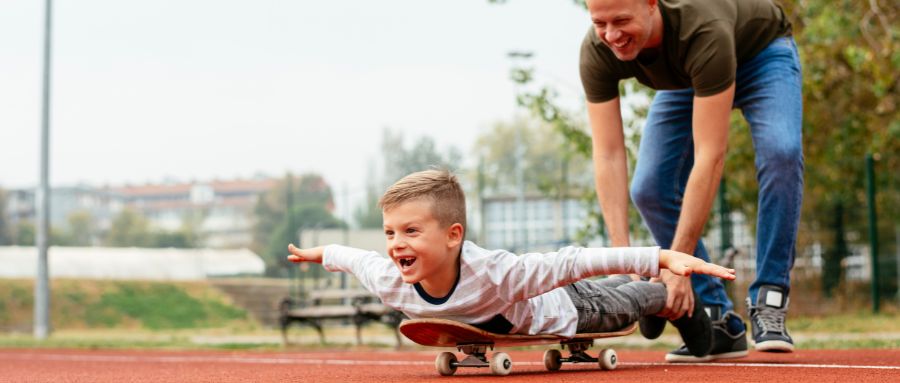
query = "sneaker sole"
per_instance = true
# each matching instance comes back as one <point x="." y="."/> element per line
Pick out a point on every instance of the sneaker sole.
<point x="674" y="358"/>
<point x="774" y="346"/>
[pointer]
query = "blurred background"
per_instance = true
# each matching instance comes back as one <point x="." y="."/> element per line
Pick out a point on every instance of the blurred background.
<point x="190" y="142"/>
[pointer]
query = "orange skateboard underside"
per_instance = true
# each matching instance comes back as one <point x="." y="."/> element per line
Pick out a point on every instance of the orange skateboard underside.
<point x="449" y="333"/>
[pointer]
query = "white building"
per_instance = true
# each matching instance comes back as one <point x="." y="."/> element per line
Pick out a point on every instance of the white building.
<point x="130" y="263"/>
<point x="548" y="224"/>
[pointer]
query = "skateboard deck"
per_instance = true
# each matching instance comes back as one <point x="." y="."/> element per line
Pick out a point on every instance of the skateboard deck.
<point x="475" y="342"/>
<point x="449" y="333"/>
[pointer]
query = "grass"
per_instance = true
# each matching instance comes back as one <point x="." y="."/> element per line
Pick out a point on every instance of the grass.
<point x="135" y="305"/>
<point x="158" y="306"/>
<point x="848" y="344"/>
<point x="860" y="322"/>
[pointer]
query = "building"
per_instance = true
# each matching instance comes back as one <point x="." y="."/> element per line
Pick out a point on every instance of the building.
<point x="548" y="223"/>
<point x="222" y="211"/>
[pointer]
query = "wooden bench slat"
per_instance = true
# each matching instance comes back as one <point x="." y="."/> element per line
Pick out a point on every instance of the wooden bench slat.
<point x="339" y="294"/>
<point x="375" y="309"/>
<point x="322" y="312"/>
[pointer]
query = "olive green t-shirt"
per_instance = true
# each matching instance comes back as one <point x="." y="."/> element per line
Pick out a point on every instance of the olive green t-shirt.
<point x="703" y="42"/>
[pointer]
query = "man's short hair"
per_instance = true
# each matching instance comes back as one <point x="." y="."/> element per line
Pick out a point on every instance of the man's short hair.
<point x="440" y="187"/>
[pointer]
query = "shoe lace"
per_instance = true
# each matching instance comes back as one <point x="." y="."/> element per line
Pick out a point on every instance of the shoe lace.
<point x="770" y="319"/>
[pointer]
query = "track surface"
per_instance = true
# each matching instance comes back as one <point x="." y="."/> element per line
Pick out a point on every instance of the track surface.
<point x="53" y="365"/>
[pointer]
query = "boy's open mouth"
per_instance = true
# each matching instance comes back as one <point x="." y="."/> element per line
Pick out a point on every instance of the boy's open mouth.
<point x="406" y="262"/>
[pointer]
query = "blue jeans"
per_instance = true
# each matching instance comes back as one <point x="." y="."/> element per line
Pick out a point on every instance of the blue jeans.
<point x="768" y="92"/>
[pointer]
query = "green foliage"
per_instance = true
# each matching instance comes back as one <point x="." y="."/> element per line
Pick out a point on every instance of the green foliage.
<point x="368" y="216"/>
<point x="80" y="231"/>
<point x="81" y="228"/>
<point x="550" y="165"/>
<point x="25" y="234"/>
<point x="293" y="204"/>
<point x="107" y="304"/>
<point x="16" y="302"/>
<point x="5" y="232"/>
<point x="131" y="229"/>
<point x="158" y="306"/>
<point x="576" y="143"/>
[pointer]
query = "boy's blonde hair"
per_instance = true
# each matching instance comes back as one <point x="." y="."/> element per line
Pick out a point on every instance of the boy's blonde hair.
<point x="440" y="187"/>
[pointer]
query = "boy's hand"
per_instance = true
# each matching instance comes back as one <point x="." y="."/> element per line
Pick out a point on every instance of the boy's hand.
<point x="685" y="265"/>
<point x="305" y="255"/>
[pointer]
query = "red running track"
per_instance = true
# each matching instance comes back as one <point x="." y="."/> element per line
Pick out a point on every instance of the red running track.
<point x="54" y="365"/>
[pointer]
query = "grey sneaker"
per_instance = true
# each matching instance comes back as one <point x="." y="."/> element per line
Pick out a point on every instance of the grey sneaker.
<point x="767" y="320"/>
<point x="725" y="344"/>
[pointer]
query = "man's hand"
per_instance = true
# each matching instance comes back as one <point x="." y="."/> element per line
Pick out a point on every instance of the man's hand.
<point x="678" y="267"/>
<point x="679" y="295"/>
<point x="305" y="255"/>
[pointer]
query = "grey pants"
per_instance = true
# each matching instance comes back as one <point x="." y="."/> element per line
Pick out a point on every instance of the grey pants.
<point x="612" y="303"/>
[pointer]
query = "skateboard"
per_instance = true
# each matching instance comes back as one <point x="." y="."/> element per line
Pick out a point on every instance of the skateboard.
<point x="475" y="343"/>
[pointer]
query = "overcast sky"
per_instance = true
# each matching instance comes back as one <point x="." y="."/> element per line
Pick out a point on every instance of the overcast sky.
<point x="145" y="90"/>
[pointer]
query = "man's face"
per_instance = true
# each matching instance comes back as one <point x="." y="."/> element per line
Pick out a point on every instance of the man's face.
<point x="416" y="241"/>
<point x="623" y="25"/>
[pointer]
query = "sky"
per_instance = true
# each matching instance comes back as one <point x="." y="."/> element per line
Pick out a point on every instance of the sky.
<point x="149" y="90"/>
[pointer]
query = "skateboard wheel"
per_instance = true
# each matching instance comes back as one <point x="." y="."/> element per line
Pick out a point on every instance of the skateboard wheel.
<point x="552" y="359"/>
<point x="608" y="359"/>
<point x="446" y="363"/>
<point x="501" y="364"/>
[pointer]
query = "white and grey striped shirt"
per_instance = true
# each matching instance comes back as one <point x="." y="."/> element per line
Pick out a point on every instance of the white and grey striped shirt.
<point x="524" y="290"/>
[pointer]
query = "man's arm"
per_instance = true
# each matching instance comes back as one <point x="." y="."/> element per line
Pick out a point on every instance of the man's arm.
<point x="710" y="133"/>
<point x="610" y="168"/>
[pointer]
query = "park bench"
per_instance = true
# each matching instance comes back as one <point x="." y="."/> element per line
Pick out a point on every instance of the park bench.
<point x="355" y="305"/>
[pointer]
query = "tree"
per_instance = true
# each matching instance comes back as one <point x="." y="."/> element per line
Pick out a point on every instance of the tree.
<point x="5" y="232"/>
<point x="129" y="229"/>
<point x="81" y="228"/>
<point x="397" y="162"/>
<point x="540" y="101"/>
<point x="551" y="165"/>
<point x="293" y="204"/>
<point x="25" y="234"/>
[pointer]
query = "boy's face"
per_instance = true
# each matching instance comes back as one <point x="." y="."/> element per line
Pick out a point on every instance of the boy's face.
<point x="417" y="243"/>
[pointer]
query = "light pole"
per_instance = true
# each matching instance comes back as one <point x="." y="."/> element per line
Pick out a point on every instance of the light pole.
<point x="42" y="199"/>
<point x="520" y="76"/>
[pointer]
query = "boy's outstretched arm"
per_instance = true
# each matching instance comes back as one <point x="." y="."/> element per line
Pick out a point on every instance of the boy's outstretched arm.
<point x="298" y="255"/>
<point x="684" y="264"/>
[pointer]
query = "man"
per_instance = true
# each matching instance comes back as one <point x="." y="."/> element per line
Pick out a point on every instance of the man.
<point x="704" y="58"/>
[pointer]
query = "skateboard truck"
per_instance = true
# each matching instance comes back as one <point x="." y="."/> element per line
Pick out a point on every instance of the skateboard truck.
<point x="577" y="352"/>
<point x="476" y="356"/>
<point x="553" y="360"/>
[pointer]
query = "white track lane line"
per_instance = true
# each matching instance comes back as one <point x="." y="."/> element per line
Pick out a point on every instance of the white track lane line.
<point x="298" y="360"/>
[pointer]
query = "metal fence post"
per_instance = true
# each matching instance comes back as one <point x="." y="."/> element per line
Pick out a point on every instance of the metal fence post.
<point x="873" y="229"/>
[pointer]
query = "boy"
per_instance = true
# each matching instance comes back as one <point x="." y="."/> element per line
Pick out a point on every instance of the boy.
<point x="432" y="272"/>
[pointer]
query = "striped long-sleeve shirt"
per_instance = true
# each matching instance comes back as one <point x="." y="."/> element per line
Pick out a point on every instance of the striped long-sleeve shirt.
<point x="498" y="290"/>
